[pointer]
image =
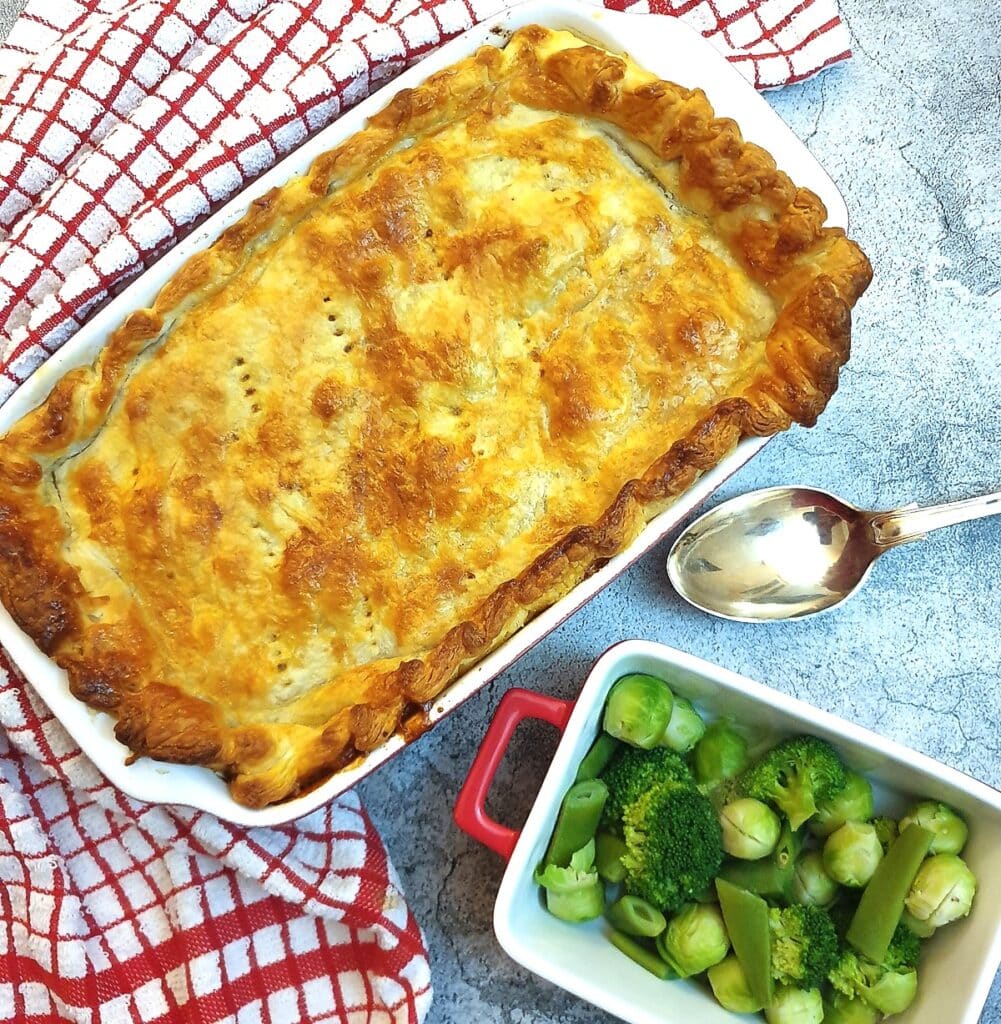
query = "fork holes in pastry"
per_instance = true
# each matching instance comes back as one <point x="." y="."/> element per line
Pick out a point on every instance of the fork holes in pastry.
<point x="239" y="361"/>
<point x="348" y="347"/>
<point x="245" y="378"/>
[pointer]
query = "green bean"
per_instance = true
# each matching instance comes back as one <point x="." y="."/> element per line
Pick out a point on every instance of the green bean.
<point x="634" y="916"/>
<point x="578" y="820"/>
<point x="640" y="954"/>
<point x="882" y="904"/>
<point x="746" y="918"/>
<point x="763" y="877"/>
<point x="596" y="759"/>
<point x="608" y="859"/>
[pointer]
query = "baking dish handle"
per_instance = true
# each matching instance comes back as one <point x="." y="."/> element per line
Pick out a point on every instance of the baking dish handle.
<point x="470" y="808"/>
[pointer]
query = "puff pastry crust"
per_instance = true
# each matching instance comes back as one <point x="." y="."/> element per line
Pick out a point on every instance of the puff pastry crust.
<point x="409" y="400"/>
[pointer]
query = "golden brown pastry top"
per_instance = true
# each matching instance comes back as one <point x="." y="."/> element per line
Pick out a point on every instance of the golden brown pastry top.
<point x="408" y="401"/>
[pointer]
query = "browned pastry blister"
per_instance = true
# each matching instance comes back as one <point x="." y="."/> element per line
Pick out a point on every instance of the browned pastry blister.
<point x="408" y="401"/>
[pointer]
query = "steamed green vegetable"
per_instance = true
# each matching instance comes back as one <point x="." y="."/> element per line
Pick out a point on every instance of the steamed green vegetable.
<point x="746" y="917"/>
<point x="878" y="914"/>
<point x="672" y="816"/>
<point x="731" y="987"/>
<point x="597" y="758"/>
<point x="638" y="710"/>
<point x="634" y="916"/>
<point x="573" y="893"/>
<point x="608" y="857"/>
<point x="795" y="776"/>
<point x="853" y="803"/>
<point x="631" y="773"/>
<point x="771" y="877"/>
<point x="674" y="845"/>
<point x="795" y="1006"/>
<point x="852" y="854"/>
<point x="685" y="728"/>
<point x="637" y="952"/>
<point x="922" y="929"/>
<point x="720" y="754"/>
<point x="948" y="829"/>
<point x="839" y="1009"/>
<point x="888" y="985"/>
<point x="750" y="829"/>
<point x="943" y="890"/>
<point x="804" y="945"/>
<point x="887" y="831"/>
<point x="577" y="821"/>
<point x="695" y="939"/>
<point x="811" y="884"/>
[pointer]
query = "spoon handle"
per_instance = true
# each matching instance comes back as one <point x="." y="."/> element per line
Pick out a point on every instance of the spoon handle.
<point x="902" y="525"/>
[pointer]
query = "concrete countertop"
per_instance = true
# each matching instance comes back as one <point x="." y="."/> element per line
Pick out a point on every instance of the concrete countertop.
<point x="910" y="131"/>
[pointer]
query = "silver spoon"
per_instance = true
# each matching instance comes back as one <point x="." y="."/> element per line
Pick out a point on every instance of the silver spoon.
<point x="786" y="552"/>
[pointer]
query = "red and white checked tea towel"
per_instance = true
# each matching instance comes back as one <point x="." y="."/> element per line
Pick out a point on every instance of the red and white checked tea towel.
<point x="122" y="122"/>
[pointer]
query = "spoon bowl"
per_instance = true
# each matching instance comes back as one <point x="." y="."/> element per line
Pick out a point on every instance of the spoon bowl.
<point x="789" y="552"/>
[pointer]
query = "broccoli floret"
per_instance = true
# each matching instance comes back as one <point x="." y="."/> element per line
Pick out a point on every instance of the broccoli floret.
<point x="674" y="845"/>
<point x="795" y="776"/>
<point x="804" y="945"/>
<point x="632" y="773"/>
<point x="888" y="987"/>
<point x="904" y="949"/>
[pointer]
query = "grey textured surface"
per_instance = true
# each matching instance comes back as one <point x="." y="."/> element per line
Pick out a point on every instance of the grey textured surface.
<point x="9" y="10"/>
<point x="909" y="130"/>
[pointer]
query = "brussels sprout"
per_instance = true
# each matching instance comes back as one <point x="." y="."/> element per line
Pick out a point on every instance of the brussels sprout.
<point x="750" y="829"/>
<point x="685" y="728"/>
<point x="720" y="754"/>
<point x="811" y="884"/>
<point x="852" y="853"/>
<point x="695" y="939"/>
<point x="853" y="803"/>
<point x="795" y="1006"/>
<point x="638" y="710"/>
<point x="943" y="822"/>
<point x="943" y="890"/>
<point x="893" y="992"/>
<point x="840" y="1009"/>
<point x="729" y="985"/>
<point x="922" y="929"/>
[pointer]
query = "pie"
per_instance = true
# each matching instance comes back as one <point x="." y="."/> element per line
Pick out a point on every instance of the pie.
<point x="408" y="401"/>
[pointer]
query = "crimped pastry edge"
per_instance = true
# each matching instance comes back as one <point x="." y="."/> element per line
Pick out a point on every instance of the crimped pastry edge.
<point x="815" y="274"/>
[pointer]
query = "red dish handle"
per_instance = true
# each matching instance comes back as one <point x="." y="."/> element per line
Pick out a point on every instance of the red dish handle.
<point x="470" y="808"/>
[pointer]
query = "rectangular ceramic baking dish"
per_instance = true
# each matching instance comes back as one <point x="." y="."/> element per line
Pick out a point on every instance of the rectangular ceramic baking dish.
<point x="957" y="966"/>
<point x="662" y="44"/>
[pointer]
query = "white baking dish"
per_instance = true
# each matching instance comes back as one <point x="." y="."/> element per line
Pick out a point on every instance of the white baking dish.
<point x="663" y="45"/>
<point x="958" y="964"/>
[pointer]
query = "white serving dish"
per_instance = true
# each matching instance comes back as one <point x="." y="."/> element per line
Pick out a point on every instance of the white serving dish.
<point x="958" y="964"/>
<point x="662" y="44"/>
